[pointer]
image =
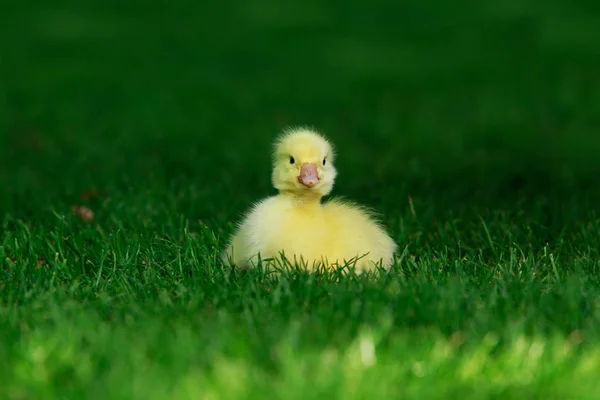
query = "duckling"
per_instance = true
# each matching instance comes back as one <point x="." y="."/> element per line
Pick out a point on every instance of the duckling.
<point x="298" y="225"/>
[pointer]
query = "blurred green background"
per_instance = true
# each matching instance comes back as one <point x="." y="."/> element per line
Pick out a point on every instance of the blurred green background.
<point x="459" y="99"/>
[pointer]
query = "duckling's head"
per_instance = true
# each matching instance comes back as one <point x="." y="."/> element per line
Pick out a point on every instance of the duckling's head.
<point x="303" y="163"/>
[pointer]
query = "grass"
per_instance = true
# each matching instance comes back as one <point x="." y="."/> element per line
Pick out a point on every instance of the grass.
<point x="471" y="127"/>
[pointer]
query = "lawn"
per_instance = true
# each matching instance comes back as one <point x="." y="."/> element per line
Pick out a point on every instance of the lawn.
<point x="472" y="127"/>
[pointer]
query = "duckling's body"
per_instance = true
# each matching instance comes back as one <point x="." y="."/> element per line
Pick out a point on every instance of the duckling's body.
<point x="298" y="225"/>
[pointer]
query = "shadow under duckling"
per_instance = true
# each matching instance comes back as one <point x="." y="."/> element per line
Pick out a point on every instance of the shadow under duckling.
<point x="298" y="225"/>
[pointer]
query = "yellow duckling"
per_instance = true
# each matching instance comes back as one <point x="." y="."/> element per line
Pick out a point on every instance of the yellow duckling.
<point x="296" y="224"/>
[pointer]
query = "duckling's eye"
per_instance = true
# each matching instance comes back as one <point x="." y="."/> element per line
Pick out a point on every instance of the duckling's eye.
<point x="324" y="160"/>
<point x="292" y="160"/>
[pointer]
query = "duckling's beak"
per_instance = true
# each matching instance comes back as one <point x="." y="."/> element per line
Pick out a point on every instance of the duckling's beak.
<point x="309" y="176"/>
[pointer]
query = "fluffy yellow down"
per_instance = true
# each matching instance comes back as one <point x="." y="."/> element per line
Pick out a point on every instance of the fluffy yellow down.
<point x="298" y="225"/>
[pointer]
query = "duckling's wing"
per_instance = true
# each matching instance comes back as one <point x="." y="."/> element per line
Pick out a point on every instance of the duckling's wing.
<point x="243" y="244"/>
<point x="364" y="211"/>
<point x="237" y="246"/>
<point x="362" y="230"/>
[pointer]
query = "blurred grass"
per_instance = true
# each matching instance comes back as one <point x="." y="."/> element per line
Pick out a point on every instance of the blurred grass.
<point x="471" y="126"/>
